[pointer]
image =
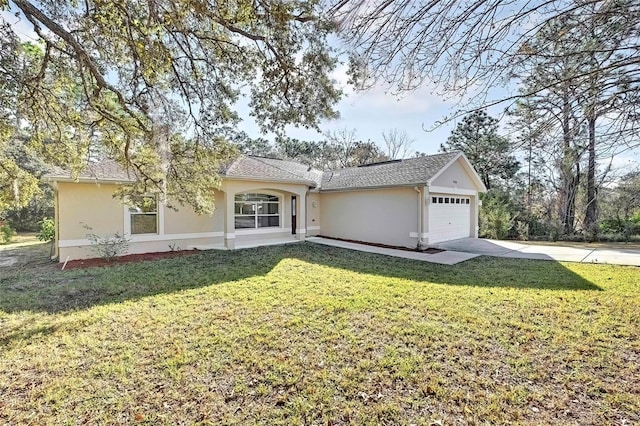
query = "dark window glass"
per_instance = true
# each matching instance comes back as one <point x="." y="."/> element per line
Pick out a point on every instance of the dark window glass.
<point x="268" y="208"/>
<point x="144" y="215"/>
<point x="243" y="222"/>
<point x="144" y="223"/>
<point x="268" y="221"/>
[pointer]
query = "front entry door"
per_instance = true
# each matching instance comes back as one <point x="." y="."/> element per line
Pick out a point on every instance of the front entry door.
<point x="293" y="214"/>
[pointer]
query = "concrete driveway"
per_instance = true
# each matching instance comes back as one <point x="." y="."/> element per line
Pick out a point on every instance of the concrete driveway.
<point x="522" y="250"/>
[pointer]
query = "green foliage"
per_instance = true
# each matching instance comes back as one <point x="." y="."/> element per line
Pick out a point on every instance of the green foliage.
<point x="6" y="233"/>
<point x="108" y="247"/>
<point x="339" y="149"/>
<point x="625" y="228"/>
<point x="477" y="136"/>
<point x="17" y="185"/>
<point x="28" y="218"/>
<point x="47" y="229"/>
<point x="155" y="84"/>
<point x="522" y="229"/>
<point x="496" y="217"/>
<point x="592" y="233"/>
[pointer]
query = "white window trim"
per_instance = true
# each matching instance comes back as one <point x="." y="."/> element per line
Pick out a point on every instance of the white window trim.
<point x="143" y="237"/>
<point x="256" y="229"/>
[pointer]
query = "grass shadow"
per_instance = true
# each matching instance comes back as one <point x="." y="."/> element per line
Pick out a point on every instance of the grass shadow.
<point x="44" y="288"/>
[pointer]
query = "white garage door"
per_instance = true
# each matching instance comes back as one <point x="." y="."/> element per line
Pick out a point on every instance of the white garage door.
<point x="449" y="217"/>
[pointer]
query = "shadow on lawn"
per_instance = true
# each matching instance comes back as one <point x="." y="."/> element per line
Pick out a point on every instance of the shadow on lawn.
<point x="47" y="289"/>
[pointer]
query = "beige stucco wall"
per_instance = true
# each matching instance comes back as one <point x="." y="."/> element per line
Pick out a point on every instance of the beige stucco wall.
<point x="94" y="205"/>
<point x="313" y="214"/>
<point x="386" y="216"/>
<point x="91" y="204"/>
<point x="455" y="176"/>
<point x="185" y="220"/>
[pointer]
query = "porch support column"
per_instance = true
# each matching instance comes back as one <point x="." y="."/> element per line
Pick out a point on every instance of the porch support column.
<point x="301" y="232"/>
<point x="426" y="201"/>
<point x="229" y="221"/>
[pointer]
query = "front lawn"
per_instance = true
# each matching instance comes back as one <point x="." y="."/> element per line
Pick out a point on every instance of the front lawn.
<point x="309" y="334"/>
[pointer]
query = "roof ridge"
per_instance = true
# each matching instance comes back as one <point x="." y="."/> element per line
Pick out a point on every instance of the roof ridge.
<point x="280" y="168"/>
<point x="395" y="161"/>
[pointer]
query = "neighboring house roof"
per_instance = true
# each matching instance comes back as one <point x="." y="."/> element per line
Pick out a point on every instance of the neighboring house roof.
<point x="408" y="172"/>
<point x="100" y="171"/>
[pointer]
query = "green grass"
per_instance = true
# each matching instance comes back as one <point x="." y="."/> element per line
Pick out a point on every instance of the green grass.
<point x="307" y="334"/>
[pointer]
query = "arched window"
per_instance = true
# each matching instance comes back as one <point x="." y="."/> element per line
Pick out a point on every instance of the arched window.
<point x="254" y="210"/>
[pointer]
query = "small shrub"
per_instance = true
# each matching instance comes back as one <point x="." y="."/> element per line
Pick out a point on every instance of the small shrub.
<point x="574" y="237"/>
<point x="6" y="233"/>
<point x="592" y="233"/>
<point x="555" y="232"/>
<point x="495" y="219"/>
<point x="109" y="247"/>
<point x="47" y="229"/>
<point x="523" y="230"/>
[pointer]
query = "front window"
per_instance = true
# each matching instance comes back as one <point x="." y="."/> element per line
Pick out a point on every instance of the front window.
<point x="143" y="212"/>
<point x="257" y="211"/>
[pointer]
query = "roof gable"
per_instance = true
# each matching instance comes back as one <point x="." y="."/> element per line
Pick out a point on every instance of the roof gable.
<point x="467" y="166"/>
<point x="272" y="169"/>
<point x="407" y="172"/>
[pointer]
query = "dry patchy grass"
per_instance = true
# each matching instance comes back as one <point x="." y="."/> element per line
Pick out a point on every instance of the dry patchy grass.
<point x="307" y="334"/>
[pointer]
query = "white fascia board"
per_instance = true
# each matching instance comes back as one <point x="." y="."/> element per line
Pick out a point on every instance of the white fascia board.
<point x="447" y="190"/>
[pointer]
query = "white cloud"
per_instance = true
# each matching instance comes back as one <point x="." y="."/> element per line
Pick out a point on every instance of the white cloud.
<point x="22" y="27"/>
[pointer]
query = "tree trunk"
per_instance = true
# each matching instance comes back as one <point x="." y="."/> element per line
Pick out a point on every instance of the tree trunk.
<point x="591" y="215"/>
<point x="568" y="179"/>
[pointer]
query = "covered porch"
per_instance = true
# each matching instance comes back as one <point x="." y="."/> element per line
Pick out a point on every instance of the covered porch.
<point x="263" y="213"/>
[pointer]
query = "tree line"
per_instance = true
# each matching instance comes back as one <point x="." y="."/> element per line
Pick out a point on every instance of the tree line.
<point x="525" y="182"/>
<point x="336" y="149"/>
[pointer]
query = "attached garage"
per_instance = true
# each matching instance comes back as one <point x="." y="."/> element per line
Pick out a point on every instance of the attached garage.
<point x="449" y="217"/>
<point x="413" y="202"/>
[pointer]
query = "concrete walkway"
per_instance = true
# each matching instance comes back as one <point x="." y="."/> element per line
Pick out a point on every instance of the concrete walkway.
<point x="522" y="250"/>
<point x="448" y="257"/>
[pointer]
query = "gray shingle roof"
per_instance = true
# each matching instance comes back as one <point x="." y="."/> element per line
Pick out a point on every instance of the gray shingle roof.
<point x="105" y="170"/>
<point x="411" y="171"/>
<point x="260" y="168"/>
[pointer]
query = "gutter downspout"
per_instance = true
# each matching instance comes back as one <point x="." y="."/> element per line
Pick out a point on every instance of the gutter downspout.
<point x="420" y="242"/>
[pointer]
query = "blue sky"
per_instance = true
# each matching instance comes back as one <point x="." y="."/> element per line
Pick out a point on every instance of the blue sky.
<point x="376" y="110"/>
